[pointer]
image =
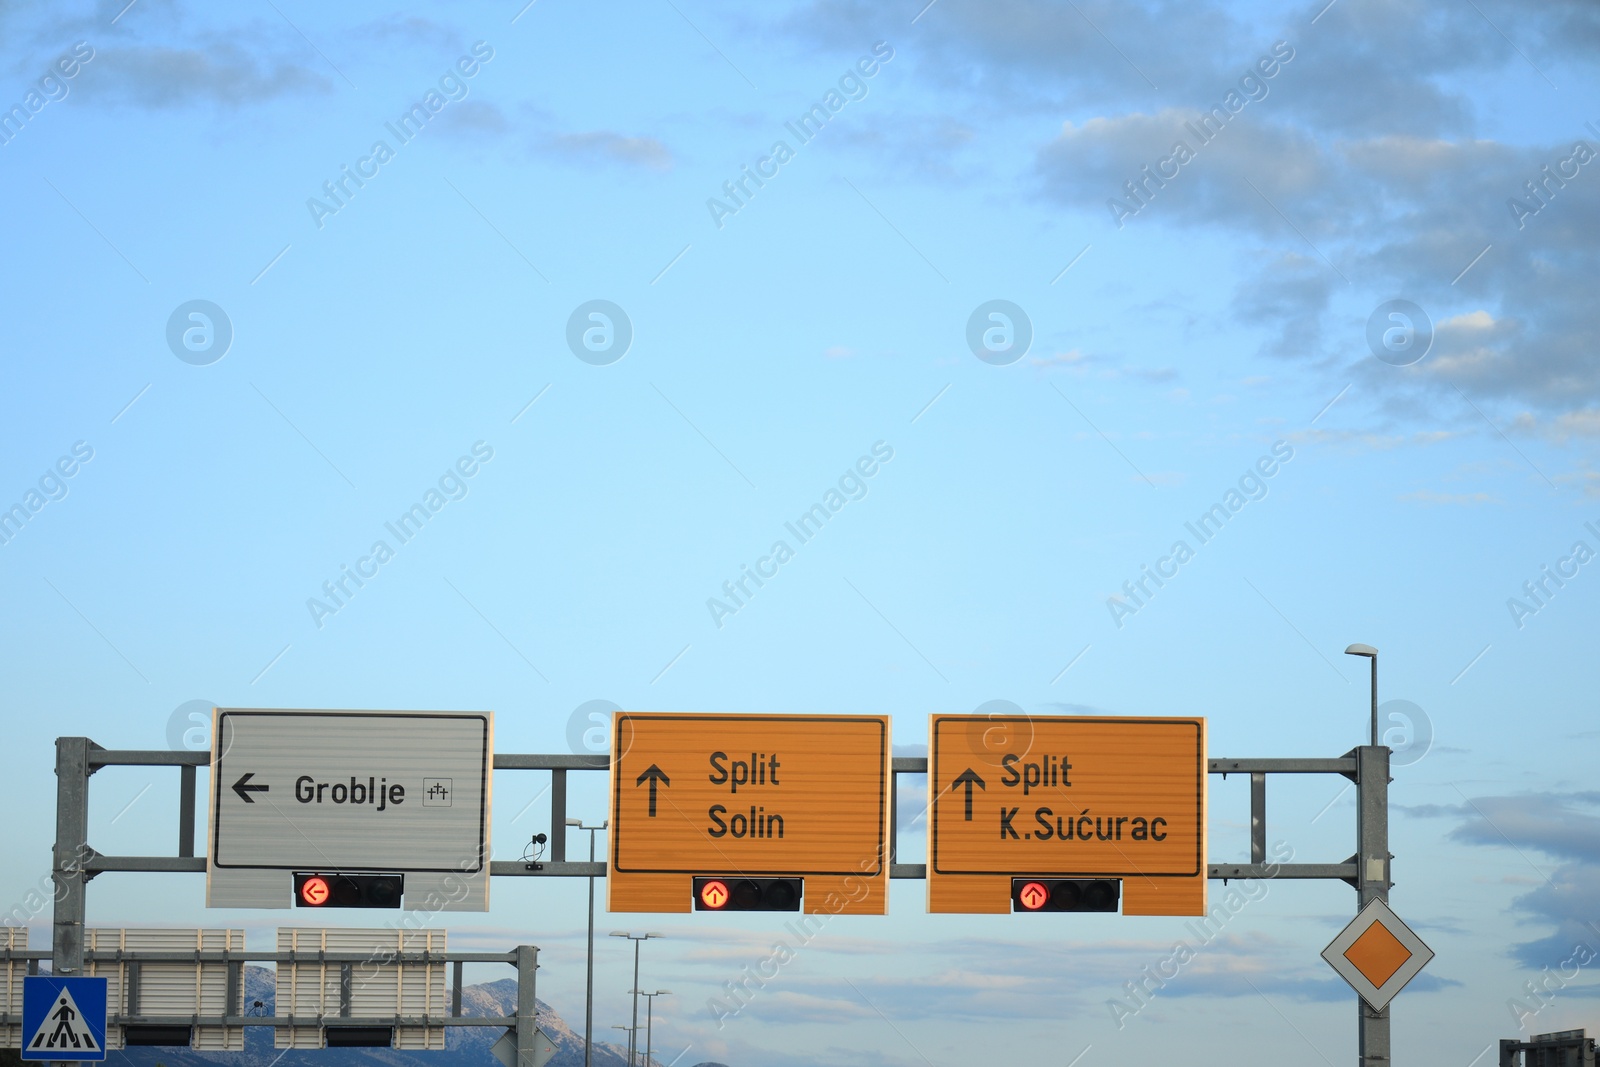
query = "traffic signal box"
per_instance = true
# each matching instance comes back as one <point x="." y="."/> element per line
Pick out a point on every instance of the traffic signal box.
<point x="737" y="893"/>
<point x="348" y="890"/>
<point x="1066" y="801"/>
<point x="1064" y="894"/>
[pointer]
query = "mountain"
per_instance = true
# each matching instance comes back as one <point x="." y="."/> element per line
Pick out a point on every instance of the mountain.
<point x="464" y="1046"/>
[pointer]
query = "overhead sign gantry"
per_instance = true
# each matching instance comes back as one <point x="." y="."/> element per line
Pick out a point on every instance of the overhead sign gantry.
<point x="683" y="836"/>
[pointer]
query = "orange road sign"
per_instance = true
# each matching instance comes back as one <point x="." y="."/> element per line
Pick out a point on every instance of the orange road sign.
<point x="1066" y="796"/>
<point x="1377" y="953"/>
<point x="802" y="796"/>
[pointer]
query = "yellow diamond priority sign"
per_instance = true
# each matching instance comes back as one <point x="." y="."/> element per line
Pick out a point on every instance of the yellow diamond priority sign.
<point x="1377" y="954"/>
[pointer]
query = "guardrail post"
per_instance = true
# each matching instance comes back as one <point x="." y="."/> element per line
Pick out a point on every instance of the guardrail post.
<point x="1372" y="878"/>
<point x="527" y="1005"/>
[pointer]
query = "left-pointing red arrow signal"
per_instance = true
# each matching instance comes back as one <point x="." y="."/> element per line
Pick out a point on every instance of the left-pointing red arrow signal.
<point x="244" y="788"/>
<point x="653" y="775"/>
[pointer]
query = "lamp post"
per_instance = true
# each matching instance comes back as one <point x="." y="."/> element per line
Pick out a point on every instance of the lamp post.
<point x="1372" y="861"/>
<point x="588" y="1001"/>
<point x="630" y="1030"/>
<point x="1370" y="653"/>
<point x="649" y="1018"/>
<point x="633" y="1041"/>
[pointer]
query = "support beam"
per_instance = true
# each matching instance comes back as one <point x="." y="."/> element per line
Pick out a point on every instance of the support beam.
<point x="527" y="1004"/>
<point x="558" y="815"/>
<point x="95" y="863"/>
<point x="894" y="818"/>
<point x="1338" y="871"/>
<point x="1345" y="765"/>
<point x="1258" y="816"/>
<point x="522" y="761"/>
<point x="143" y="757"/>
<point x="186" y="789"/>
<point x="568" y="869"/>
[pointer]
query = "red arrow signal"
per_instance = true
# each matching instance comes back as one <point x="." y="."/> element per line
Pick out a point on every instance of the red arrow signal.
<point x="1033" y="896"/>
<point x="714" y="894"/>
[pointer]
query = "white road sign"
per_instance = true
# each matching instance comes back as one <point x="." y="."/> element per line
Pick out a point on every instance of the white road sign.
<point x="346" y="791"/>
<point x="1377" y="954"/>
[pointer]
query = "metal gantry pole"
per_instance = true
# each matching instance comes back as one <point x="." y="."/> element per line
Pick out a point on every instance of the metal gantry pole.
<point x="70" y="854"/>
<point x="1372" y="880"/>
<point x="527" y="1003"/>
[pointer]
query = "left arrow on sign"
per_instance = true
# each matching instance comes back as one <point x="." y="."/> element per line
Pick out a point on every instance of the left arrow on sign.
<point x="653" y="775"/>
<point x="244" y="788"/>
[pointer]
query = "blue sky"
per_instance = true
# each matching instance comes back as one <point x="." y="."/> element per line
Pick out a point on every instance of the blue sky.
<point x="771" y="347"/>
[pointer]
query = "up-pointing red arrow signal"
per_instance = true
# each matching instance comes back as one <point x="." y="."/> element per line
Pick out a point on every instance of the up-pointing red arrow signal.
<point x="1033" y="896"/>
<point x="714" y="894"/>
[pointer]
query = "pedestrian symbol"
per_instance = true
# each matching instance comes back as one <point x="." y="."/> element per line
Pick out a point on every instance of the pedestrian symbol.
<point x="64" y="1018"/>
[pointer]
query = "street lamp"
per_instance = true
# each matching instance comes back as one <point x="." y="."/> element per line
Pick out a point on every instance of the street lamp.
<point x="635" y="938"/>
<point x="588" y="1003"/>
<point x="1372" y="654"/>
<point x="649" y="1017"/>
<point x="630" y="1030"/>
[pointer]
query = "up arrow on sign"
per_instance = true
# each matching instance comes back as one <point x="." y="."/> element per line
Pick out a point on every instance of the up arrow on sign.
<point x="653" y="774"/>
<point x="969" y="778"/>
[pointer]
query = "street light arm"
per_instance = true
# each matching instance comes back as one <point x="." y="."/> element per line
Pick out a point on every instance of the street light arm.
<point x="1370" y="653"/>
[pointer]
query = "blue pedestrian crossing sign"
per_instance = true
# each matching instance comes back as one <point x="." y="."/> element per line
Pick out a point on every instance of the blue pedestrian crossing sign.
<point x="63" y="1018"/>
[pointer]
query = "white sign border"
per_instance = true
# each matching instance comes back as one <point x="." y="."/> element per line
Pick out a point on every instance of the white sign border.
<point x="1378" y="997"/>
